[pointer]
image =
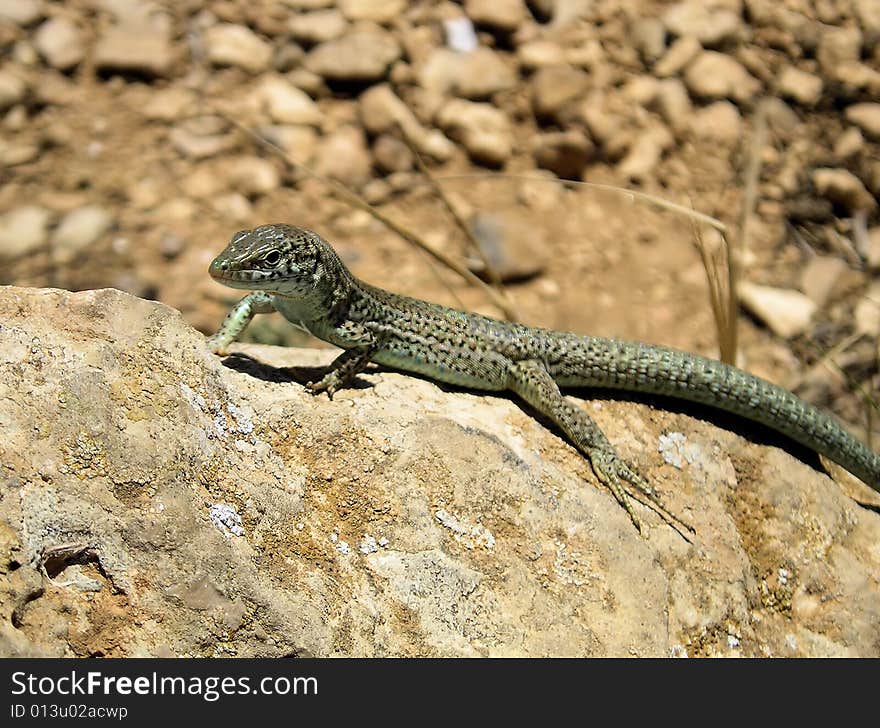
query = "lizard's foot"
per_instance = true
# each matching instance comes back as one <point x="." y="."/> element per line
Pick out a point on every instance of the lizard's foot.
<point x="216" y="345"/>
<point x="331" y="382"/>
<point x="613" y="471"/>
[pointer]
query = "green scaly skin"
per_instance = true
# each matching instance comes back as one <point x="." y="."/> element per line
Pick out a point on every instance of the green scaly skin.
<point x="296" y="272"/>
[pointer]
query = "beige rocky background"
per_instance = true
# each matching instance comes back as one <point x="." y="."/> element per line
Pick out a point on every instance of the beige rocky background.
<point x="129" y="154"/>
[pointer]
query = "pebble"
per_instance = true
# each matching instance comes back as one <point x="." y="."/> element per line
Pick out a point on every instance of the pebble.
<point x="343" y="156"/>
<point x="391" y="154"/>
<point x="565" y="153"/>
<point x="719" y="122"/>
<point x="843" y="188"/>
<point x="21" y="12"/>
<point x="554" y="88"/>
<point x="201" y="137"/>
<point x="674" y="104"/>
<point x="867" y="117"/>
<point x="872" y="254"/>
<point x="360" y="56"/>
<point x="838" y="46"/>
<point x="483" y="130"/>
<point x="645" y="153"/>
<point x="460" y="34"/>
<point x="867" y="312"/>
<point x="540" y="54"/>
<point x="849" y="144"/>
<point x="60" y="42"/>
<point x="11" y="155"/>
<point x="649" y="38"/>
<point x="139" y="42"/>
<point x="476" y="75"/>
<point x="170" y="104"/>
<point x="298" y="142"/>
<point x="318" y="27"/>
<point x="679" y="55"/>
<point x="501" y="15"/>
<point x="12" y="89"/>
<point x="868" y="13"/>
<point x="711" y="26"/>
<point x="819" y="277"/>
<point x="287" y="104"/>
<point x="716" y="75"/>
<point x="78" y="230"/>
<point x="510" y="246"/>
<point x="227" y="44"/>
<point x="382" y="111"/>
<point x="786" y="312"/>
<point x="800" y="86"/>
<point x="251" y="176"/>
<point x="378" y="11"/>
<point x="23" y="230"/>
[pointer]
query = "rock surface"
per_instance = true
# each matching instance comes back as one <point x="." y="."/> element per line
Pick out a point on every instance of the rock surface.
<point x="158" y="501"/>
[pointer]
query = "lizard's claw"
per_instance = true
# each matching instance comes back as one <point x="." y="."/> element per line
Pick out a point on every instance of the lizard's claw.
<point x="329" y="383"/>
<point x="216" y="345"/>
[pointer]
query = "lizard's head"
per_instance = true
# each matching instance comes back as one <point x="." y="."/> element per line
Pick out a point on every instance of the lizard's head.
<point x="280" y="258"/>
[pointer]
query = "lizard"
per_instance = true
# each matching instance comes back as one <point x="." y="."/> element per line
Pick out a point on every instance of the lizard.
<point x="296" y="272"/>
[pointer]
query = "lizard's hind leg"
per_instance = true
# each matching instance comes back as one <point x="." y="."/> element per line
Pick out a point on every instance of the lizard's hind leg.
<point x="532" y="382"/>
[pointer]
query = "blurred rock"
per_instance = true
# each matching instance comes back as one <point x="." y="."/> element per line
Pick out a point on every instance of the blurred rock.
<point x="679" y="55"/>
<point x="649" y="38"/>
<point x="378" y="11"/>
<point x="227" y="44"/>
<point x="714" y="75"/>
<point x="819" y="277"/>
<point x="873" y="252"/>
<point x="849" y="144"/>
<point x="23" y="230"/>
<point x="298" y="142"/>
<point x="460" y="34"/>
<point x="287" y="104"/>
<point x="476" y="75"/>
<point x="21" y="12"/>
<point x="800" y="86"/>
<point x="382" y="111"/>
<point x="565" y="153"/>
<point x="12" y="89"/>
<point x="711" y="26"/>
<point x="720" y="122"/>
<point x="540" y="53"/>
<point x="483" y="130"/>
<point x="201" y="137"/>
<point x="674" y="104"/>
<point x="553" y="88"/>
<point x="170" y="104"/>
<point x="867" y="117"/>
<point x="500" y="15"/>
<point x="843" y="188"/>
<point x="250" y="176"/>
<point x="644" y="154"/>
<point x="391" y="154"/>
<point x="867" y="312"/>
<point x="78" y="230"/>
<point x="138" y="42"/>
<point x="513" y="248"/>
<point x="838" y="46"/>
<point x="360" y="56"/>
<point x="318" y="27"/>
<point x="60" y="42"/>
<point x="343" y="156"/>
<point x="786" y="312"/>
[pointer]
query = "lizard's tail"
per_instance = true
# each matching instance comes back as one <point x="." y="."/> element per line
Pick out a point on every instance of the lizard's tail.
<point x="599" y="362"/>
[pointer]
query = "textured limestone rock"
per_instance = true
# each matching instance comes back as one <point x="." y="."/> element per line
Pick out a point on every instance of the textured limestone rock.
<point x="157" y="501"/>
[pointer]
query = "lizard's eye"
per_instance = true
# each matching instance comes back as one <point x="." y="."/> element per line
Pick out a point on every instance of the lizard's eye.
<point x="272" y="258"/>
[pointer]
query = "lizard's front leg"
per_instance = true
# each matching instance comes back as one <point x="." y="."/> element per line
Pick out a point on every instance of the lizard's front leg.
<point x="237" y="320"/>
<point x="531" y="381"/>
<point x="350" y="362"/>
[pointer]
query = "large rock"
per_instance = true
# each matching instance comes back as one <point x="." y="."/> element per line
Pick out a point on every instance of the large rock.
<point x="157" y="501"/>
<point x="361" y="56"/>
